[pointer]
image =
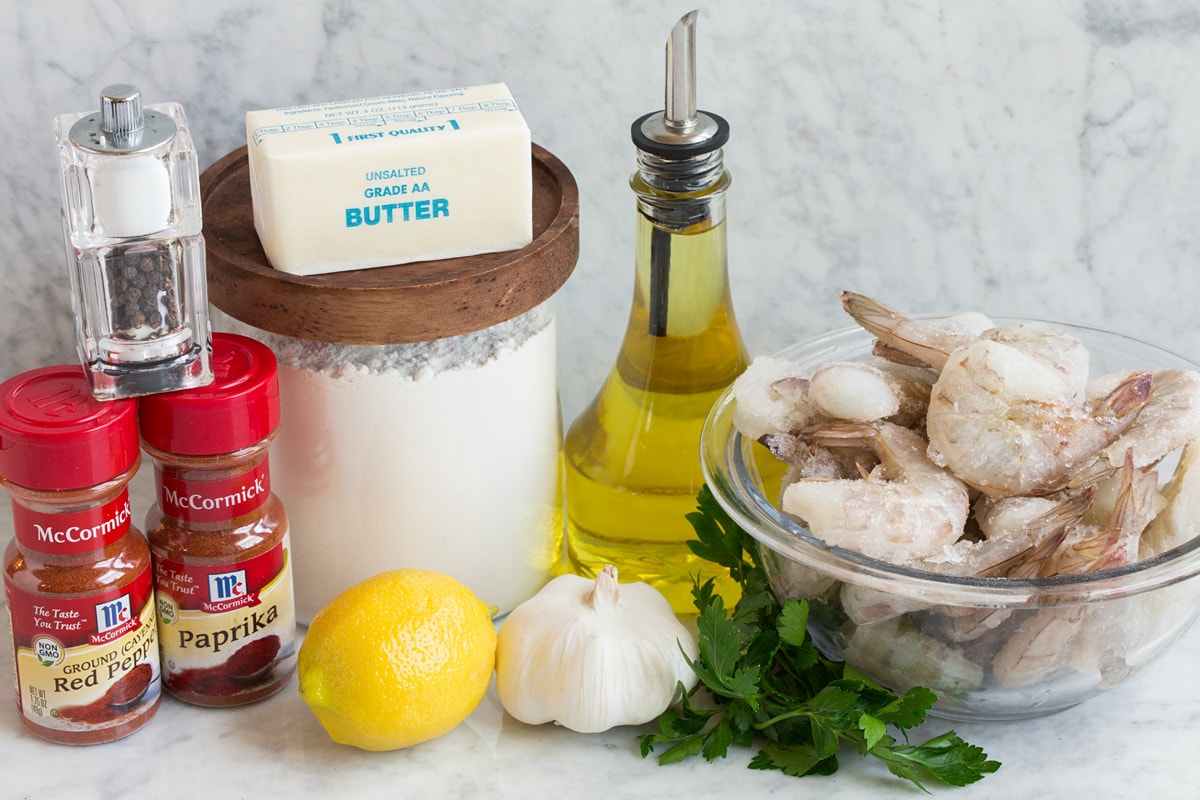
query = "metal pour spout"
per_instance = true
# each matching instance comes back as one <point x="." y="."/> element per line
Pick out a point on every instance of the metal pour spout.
<point x="680" y="130"/>
<point x="678" y="145"/>
<point x="679" y="114"/>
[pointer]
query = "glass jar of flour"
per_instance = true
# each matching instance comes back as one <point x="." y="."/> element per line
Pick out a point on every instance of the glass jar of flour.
<point x="420" y="423"/>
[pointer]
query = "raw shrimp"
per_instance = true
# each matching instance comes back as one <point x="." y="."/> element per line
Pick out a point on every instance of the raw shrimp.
<point x="867" y="606"/>
<point x="1169" y="420"/>
<point x="810" y="461"/>
<point x="1042" y="536"/>
<point x="1005" y="517"/>
<point x="1138" y="501"/>
<point x="1014" y="532"/>
<point x="1006" y="414"/>
<point x="1039" y="648"/>
<point x="1007" y="427"/>
<point x="905" y="511"/>
<point x="1087" y="639"/>
<point x="791" y="579"/>
<point x="1018" y="531"/>
<point x="772" y="397"/>
<point x="1044" y="361"/>
<point x="860" y="391"/>
<point x="1065" y="544"/>
<point x="901" y="655"/>
<point x="1114" y="641"/>
<point x="1177" y="522"/>
<point x="917" y="342"/>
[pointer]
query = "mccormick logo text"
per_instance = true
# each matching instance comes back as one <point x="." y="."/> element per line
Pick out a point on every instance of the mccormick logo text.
<point x="228" y="591"/>
<point x="197" y="501"/>
<point x="77" y="534"/>
<point x="114" y="618"/>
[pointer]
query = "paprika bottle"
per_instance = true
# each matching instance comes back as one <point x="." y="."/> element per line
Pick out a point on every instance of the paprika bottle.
<point x="218" y="534"/>
<point x="77" y="573"/>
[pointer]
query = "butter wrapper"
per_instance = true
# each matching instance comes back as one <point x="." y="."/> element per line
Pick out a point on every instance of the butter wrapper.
<point x="390" y="180"/>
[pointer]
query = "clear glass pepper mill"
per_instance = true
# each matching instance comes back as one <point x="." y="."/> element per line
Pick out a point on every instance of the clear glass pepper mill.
<point x="632" y="456"/>
<point x="135" y="252"/>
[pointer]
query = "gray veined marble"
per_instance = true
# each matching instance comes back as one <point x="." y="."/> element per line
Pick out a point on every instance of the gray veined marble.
<point x="1029" y="159"/>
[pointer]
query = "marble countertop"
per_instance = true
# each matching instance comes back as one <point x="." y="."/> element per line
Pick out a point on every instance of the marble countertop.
<point x="942" y="156"/>
<point x="1136" y="741"/>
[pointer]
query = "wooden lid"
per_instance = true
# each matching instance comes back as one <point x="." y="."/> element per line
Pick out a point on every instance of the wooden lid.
<point x="414" y="302"/>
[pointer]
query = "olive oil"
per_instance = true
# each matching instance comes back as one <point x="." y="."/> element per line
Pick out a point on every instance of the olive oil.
<point x="632" y="461"/>
<point x="632" y="458"/>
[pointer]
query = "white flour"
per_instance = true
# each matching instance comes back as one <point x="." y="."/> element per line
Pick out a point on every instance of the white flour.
<point x="437" y="455"/>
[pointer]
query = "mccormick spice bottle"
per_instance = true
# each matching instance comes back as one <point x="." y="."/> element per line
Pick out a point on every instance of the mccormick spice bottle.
<point x="77" y="573"/>
<point x="219" y="536"/>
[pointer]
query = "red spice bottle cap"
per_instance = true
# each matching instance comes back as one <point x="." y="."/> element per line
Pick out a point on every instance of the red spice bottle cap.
<point x="54" y="435"/>
<point x="239" y="409"/>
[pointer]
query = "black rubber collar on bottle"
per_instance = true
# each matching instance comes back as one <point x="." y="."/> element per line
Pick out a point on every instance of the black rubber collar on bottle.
<point x="686" y="150"/>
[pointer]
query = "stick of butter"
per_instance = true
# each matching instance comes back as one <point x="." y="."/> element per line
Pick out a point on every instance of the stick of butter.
<point x="390" y="180"/>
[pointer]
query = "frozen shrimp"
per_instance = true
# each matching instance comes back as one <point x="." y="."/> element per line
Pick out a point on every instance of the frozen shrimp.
<point x="1109" y="637"/>
<point x="860" y="391"/>
<point x="1169" y="420"/>
<point x="1177" y="522"/>
<point x="807" y="460"/>
<point x="912" y="341"/>
<point x="1007" y="412"/>
<point x="867" y="606"/>
<point x="1039" y="649"/>
<point x="1019" y="531"/>
<point x="1006" y="427"/>
<point x="772" y="397"/>
<point x="904" y="511"/>
<point x="791" y="579"/>
<point x="1138" y="501"/>
<point x="1019" y="534"/>
<point x="1044" y="360"/>
<point x="901" y="655"/>
<point x="1041" y="536"/>
<point x="1069" y="637"/>
<point x="1063" y="543"/>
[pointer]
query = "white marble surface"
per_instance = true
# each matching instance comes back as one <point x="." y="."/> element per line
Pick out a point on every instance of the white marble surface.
<point x="1035" y="159"/>
<point x="1136" y="742"/>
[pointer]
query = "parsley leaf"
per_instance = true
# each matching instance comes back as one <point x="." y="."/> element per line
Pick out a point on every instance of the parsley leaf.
<point x="769" y="687"/>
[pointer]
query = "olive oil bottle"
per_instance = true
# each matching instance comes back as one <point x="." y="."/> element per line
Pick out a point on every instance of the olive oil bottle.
<point x="632" y="456"/>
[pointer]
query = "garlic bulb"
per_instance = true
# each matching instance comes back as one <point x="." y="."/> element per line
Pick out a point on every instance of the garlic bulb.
<point x="592" y="655"/>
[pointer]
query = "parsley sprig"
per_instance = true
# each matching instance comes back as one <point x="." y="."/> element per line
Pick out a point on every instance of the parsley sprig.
<point x="768" y="686"/>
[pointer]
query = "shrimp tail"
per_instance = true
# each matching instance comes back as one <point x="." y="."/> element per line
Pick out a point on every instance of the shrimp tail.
<point x="1056" y="523"/>
<point x="1135" y="506"/>
<point x="920" y="343"/>
<point x="1118" y="409"/>
<point x="1128" y="398"/>
<point x="840" y="434"/>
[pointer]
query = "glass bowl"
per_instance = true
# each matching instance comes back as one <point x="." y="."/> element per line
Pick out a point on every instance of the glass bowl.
<point x="990" y="648"/>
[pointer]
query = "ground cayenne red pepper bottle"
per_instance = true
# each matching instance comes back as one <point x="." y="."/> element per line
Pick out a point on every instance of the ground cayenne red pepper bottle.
<point x="218" y="535"/>
<point x="77" y="573"/>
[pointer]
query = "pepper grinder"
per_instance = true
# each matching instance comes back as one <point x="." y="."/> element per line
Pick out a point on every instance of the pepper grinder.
<point x="135" y="252"/>
<point x="632" y="457"/>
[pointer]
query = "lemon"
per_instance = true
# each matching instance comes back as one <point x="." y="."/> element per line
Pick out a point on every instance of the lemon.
<point x="398" y="659"/>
